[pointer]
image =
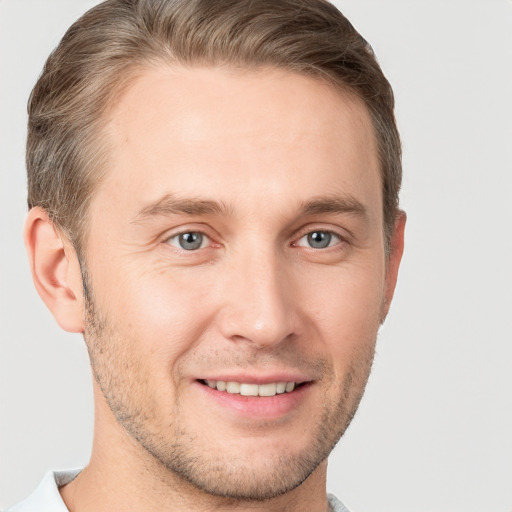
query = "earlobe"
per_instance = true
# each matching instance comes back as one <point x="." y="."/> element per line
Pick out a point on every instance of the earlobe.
<point x="55" y="270"/>
<point x="395" y="256"/>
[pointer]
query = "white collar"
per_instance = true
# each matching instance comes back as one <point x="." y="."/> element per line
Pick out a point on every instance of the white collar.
<point x="47" y="496"/>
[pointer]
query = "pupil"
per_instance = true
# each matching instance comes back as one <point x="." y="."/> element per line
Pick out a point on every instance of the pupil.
<point x="191" y="241"/>
<point x="319" y="239"/>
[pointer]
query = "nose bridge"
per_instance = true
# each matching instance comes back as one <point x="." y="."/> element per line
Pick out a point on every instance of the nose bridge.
<point x="258" y="305"/>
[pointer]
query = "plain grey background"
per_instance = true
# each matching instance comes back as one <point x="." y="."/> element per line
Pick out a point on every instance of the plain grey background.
<point x="434" y="431"/>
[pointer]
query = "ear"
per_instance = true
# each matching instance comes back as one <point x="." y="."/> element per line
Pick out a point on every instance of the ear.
<point x="395" y="256"/>
<point x="55" y="270"/>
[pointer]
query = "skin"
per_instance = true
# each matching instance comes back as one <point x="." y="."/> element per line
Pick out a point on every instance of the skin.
<point x="255" y="161"/>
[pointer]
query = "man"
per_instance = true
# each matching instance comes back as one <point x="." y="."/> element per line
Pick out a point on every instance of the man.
<point x="213" y="193"/>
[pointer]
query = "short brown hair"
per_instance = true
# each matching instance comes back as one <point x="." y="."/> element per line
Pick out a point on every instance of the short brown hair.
<point x="102" y="52"/>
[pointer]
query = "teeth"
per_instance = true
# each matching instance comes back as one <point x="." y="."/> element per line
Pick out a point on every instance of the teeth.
<point x="267" y="389"/>
<point x="249" y="389"/>
<point x="290" y="386"/>
<point x="246" y="389"/>
<point x="233" y="387"/>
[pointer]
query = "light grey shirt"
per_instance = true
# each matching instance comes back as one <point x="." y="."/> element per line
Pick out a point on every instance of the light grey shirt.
<point x="46" y="498"/>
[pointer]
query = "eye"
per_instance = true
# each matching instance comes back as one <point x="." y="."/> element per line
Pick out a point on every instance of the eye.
<point x="189" y="241"/>
<point x="319" y="239"/>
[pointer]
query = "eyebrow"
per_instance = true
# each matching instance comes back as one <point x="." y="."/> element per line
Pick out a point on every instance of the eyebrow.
<point x="172" y="205"/>
<point x="336" y="204"/>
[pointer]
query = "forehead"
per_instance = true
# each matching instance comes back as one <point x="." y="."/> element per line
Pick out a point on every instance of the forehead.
<point x="225" y="133"/>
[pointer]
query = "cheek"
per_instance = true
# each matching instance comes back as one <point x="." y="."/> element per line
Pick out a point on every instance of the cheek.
<point x="156" y="311"/>
<point x="346" y="308"/>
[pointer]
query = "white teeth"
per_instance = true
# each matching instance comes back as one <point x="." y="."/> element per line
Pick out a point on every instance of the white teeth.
<point x="247" y="389"/>
<point x="267" y="389"/>
<point x="233" y="387"/>
<point x="281" y="387"/>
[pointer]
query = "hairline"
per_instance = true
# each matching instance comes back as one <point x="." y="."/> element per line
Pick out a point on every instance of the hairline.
<point x="99" y="140"/>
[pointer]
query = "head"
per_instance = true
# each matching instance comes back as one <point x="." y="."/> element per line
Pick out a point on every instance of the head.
<point x="104" y="51"/>
<point x="222" y="180"/>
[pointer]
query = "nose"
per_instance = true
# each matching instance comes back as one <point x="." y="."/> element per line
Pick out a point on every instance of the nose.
<point x="259" y="304"/>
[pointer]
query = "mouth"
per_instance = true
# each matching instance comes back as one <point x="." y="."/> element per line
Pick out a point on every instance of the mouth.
<point x="247" y="398"/>
<point x="251" y="389"/>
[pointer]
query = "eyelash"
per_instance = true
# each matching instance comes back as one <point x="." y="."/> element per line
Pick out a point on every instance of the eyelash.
<point x="176" y="236"/>
<point x="331" y="235"/>
<point x="207" y="239"/>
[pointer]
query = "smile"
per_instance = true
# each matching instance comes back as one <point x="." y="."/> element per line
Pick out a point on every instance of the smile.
<point x="250" y="389"/>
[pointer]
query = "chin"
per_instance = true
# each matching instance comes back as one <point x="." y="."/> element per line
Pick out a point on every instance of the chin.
<point x="256" y="468"/>
<point x="248" y="480"/>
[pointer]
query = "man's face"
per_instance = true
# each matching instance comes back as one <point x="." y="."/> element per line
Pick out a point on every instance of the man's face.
<point x="236" y="242"/>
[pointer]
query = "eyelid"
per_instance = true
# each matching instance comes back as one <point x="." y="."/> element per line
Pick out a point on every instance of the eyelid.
<point x="206" y="240"/>
<point x="342" y="235"/>
<point x="189" y="228"/>
<point x="203" y="230"/>
<point x="330" y="246"/>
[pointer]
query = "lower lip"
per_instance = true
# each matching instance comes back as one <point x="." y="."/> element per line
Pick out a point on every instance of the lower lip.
<point x="262" y="407"/>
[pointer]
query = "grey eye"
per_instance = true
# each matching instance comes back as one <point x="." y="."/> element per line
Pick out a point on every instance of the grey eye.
<point x="189" y="241"/>
<point x="319" y="239"/>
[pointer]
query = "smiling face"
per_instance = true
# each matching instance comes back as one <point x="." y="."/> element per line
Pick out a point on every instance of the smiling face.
<point x="237" y="275"/>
